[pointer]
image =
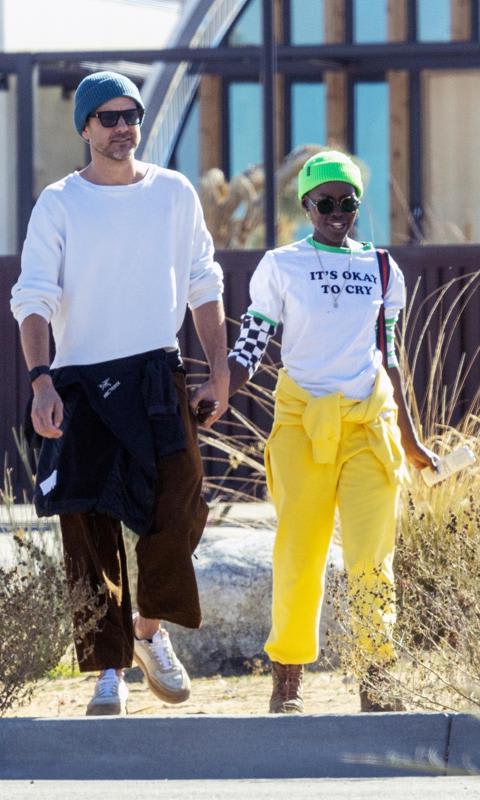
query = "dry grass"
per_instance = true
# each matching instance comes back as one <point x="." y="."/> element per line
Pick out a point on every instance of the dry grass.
<point x="235" y="695"/>
<point x="36" y="608"/>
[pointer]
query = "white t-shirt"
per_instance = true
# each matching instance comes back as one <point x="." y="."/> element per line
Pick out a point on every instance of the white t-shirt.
<point x="113" y="267"/>
<point x="325" y="348"/>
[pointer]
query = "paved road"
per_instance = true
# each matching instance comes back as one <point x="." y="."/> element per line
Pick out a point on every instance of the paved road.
<point x="321" y="789"/>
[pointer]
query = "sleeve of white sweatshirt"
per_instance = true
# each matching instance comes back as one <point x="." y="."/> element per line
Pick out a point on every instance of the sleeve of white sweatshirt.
<point x="206" y="276"/>
<point x="38" y="289"/>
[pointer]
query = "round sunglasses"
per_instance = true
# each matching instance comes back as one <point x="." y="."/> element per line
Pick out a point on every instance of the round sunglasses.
<point x="109" y="119"/>
<point x="326" y="205"/>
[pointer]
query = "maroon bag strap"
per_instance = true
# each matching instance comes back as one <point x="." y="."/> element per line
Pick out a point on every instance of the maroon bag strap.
<point x="384" y="269"/>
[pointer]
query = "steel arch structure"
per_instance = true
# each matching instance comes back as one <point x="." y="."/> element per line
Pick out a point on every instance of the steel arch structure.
<point x="170" y="88"/>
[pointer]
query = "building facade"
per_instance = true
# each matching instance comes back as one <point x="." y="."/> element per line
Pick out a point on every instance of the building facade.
<point x="394" y="82"/>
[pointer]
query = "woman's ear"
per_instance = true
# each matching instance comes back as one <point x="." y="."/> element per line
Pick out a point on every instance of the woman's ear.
<point x="306" y="209"/>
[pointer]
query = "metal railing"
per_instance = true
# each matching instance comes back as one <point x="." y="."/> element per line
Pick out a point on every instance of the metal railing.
<point x="170" y="88"/>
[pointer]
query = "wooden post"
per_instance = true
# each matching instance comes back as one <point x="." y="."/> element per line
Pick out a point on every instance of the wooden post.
<point x="335" y="21"/>
<point x="399" y="130"/>
<point x="210" y="122"/>
<point x="336" y="81"/>
<point x="397" y="20"/>
<point x="399" y="157"/>
<point x="460" y="20"/>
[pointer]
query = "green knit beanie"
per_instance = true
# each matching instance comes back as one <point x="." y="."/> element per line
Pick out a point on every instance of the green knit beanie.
<point x="329" y="165"/>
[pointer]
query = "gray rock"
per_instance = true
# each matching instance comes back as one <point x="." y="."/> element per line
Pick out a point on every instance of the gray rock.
<point x="233" y="568"/>
<point x="234" y="578"/>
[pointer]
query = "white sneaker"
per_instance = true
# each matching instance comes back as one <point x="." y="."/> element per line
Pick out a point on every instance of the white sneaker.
<point x="166" y="676"/>
<point x="110" y="697"/>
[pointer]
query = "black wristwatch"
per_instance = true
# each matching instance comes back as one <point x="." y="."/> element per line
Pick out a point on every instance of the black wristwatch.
<point x="37" y="371"/>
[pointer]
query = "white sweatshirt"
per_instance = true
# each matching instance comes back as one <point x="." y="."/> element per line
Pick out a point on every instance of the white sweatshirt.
<point x="113" y="267"/>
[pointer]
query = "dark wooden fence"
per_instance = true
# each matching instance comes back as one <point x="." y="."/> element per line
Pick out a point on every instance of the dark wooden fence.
<point x="432" y="266"/>
<point x="14" y="383"/>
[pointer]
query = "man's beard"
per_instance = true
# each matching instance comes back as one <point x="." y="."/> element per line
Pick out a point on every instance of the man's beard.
<point x="117" y="151"/>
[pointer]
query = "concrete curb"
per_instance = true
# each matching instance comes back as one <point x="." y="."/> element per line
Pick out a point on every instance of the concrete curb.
<point x="200" y="747"/>
<point x="464" y="744"/>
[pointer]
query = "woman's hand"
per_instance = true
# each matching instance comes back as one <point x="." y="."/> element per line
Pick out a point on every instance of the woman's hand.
<point x="416" y="453"/>
<point x="420" y="456"/>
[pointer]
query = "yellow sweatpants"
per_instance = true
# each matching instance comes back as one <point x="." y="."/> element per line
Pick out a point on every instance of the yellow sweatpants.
<point x="305" y="494"/>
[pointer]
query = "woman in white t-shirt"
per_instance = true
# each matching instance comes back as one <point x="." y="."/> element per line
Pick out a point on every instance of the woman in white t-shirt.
<point x="341" y="429"/>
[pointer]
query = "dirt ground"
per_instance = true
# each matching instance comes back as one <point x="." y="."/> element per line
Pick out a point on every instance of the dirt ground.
<point x="325" y="693"/>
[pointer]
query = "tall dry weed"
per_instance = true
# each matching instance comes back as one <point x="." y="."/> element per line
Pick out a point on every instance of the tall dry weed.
<point x="36" y="606"/>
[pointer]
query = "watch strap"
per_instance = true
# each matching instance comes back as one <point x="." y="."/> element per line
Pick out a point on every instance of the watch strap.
<point x="37" y="371"/>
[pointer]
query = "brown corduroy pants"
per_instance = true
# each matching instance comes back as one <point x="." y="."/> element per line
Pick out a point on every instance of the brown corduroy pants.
<point x="94" y="552"/>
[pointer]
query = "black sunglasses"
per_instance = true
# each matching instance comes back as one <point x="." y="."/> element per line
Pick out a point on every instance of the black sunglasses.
<point x="326" y="205"/>
<point x="108" y="119"/>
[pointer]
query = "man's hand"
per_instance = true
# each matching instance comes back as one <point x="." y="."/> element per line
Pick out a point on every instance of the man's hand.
<point x="47" y="408"/>
<point x="210" y="400"/>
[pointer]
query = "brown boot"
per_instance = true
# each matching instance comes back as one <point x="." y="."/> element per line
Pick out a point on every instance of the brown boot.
<point x="369" y="702"/>
<point x="287" y="688"/>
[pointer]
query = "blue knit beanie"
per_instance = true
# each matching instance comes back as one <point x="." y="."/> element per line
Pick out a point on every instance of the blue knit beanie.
<point x="96" y="89"/>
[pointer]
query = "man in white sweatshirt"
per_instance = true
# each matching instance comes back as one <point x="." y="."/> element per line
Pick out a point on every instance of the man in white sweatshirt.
<point x="113" y="255"/>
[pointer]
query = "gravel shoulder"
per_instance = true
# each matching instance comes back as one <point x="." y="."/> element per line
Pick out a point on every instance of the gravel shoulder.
<point x="325" y="693"/>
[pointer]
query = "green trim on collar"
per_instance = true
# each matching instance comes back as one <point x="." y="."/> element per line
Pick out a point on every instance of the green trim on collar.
<point x="365" y="247"/>
<point x="262" y="316"/>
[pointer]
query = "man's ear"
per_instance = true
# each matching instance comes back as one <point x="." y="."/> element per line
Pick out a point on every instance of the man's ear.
<point x="84" y="134"/>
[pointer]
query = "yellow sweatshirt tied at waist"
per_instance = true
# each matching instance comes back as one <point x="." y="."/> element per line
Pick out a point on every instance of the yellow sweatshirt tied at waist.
<point x="322" y="419"/>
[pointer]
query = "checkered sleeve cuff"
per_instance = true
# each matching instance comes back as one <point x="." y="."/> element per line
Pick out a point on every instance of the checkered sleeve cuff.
<point x="252" y="341"/>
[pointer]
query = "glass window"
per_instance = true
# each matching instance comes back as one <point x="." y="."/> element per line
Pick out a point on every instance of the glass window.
<point x="187" y="150"/>
<point x="307" y="21"/>
<point x="433" y="20"/>
<point x="451" y="168"/>
<point x="248" y="27"/>
<point x="370" y="21"/>
<point x="371" y="145"/>
<point x="309" y="126"/>
<point x="308" y="114"/>
<point x="245" y="126"/>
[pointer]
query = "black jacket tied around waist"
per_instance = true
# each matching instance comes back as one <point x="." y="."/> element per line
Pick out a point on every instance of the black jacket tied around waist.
<point x="120" y="417"/>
